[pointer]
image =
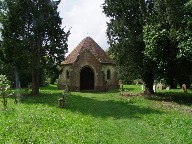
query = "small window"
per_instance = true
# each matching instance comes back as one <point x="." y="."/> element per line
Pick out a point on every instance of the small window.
<point x="67" y="74"/>
<point x="108" y="74"/>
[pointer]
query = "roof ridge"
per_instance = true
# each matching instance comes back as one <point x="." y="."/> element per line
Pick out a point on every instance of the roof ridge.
<point x="89" y="44"/>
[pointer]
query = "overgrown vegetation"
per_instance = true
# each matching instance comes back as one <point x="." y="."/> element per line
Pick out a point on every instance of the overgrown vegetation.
<point x="4" y="89"/>
<point x="97" y="117"/>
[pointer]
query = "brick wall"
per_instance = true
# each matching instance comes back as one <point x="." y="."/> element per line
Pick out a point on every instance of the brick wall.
<point x="86" y="58"/>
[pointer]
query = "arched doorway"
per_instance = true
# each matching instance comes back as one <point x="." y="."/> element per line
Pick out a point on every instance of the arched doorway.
<point x="87" y="79"/>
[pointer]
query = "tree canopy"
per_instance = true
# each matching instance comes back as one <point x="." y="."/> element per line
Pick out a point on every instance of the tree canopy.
<point x="167" y="38"/>
<point x="151" y="39"/>
<point x="33" y="38"/>
<point x="125" y="34"/>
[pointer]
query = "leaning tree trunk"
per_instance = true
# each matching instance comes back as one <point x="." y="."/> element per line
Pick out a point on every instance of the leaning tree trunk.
<point x="148" y="79"/>
<point x="36" y="69"/>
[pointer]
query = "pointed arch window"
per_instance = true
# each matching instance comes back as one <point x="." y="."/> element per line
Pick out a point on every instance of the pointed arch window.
<point x="67" y="74"/>
<point x="108" y="74"/>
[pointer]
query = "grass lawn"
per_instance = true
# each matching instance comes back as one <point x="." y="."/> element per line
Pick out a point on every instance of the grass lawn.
<point x="98" y="118"/>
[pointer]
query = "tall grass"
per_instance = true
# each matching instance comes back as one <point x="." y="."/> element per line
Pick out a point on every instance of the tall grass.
<point x="95" y="118"/>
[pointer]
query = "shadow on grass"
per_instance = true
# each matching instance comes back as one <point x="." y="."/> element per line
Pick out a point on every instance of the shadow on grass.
<point x="49" y="87"/>
<point x="178" y="97"/>
<point x="93" y="107"/>
<point x="113" y="91"/>
<point x="129" y="89"/>
<point x="45" y="98"/>
<point x="108" y="108"/>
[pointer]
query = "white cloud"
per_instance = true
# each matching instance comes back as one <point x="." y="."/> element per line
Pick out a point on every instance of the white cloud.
<point x="85" y="18"/>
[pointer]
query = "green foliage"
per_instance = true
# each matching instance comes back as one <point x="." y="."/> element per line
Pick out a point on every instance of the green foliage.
<point x="168" y="41"/>
<point x="125" y="35"/>
<point x="185" y="50"/>
<point x="32" y="37"/>
<point x="151" y="39"/>
<point x="4" y="84"/>
<point x="184" y="37"/>
<point x="4" y="89"/>
<point x="170" y="13"/>
<point x="160" y="50"/>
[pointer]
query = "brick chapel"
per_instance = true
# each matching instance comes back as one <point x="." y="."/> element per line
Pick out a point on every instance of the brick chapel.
<point x="88" y="67"/>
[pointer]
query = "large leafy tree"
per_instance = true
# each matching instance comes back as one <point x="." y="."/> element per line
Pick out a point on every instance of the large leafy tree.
<point x="168" y="40"/>
<point x="125" y="34"/>
<point x="32" y="36"/>
<point x="152" y="38"/>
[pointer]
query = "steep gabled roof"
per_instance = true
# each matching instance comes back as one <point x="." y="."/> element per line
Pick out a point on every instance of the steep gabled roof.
<point x="88" y="44"/>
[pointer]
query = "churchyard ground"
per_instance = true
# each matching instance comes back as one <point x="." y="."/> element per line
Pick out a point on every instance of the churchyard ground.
<point x="98" y="117"/>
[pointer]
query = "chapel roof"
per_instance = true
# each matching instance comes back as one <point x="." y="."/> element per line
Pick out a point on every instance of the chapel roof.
<point x="88" y="44"/>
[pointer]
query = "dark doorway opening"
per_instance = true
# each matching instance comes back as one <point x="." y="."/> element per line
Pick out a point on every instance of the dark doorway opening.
<point x="87" y="79"/>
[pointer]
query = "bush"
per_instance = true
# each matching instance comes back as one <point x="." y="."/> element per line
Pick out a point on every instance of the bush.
<point x="4" y="89"/>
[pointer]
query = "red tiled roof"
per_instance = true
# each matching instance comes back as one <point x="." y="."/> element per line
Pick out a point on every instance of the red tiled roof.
<point x="88" y="44"/>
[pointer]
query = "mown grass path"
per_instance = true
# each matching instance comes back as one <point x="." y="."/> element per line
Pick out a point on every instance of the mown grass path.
<point x="98" y="118"/>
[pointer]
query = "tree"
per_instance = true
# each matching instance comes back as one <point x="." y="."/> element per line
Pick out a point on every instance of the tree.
<point x="168" y="41"/>
<point x="151" y="38"/>
<point x="32" y="36"/>
<point x="161" y="51"/>
<point x="125" y="34"/>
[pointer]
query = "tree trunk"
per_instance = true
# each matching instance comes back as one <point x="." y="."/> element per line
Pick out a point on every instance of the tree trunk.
<point x="4" y="100"/>
<point x="35" y="82"/>
<point x="17" y="81"/>
<point x="148" y="79"/>
<point x="36" y="68"/>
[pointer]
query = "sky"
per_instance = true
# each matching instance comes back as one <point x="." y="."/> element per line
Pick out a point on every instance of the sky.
<point x="84" y="18"/>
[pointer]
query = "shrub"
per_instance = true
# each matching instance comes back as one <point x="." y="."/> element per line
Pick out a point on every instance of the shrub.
<point x="4" y="89"/>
